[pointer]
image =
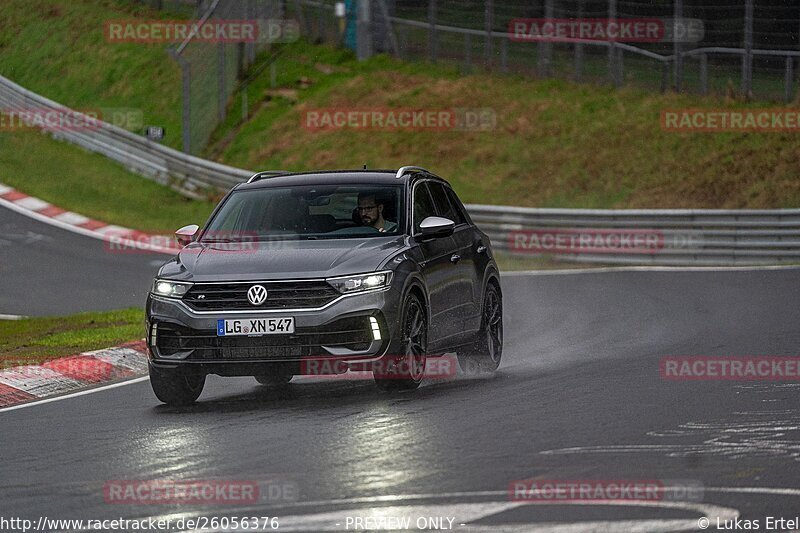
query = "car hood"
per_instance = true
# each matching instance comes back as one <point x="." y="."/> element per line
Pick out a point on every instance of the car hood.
<point x="281" y="260"/>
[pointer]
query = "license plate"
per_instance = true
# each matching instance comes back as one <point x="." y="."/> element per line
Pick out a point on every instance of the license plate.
<point x="255" y="326"/>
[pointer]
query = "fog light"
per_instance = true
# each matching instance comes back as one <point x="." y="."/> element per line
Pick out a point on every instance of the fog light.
<point x="376" y="329"/>
<point x="153" y="334"/>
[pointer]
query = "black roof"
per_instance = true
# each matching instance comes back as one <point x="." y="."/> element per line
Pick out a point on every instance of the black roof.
<point x="367" y="177"/>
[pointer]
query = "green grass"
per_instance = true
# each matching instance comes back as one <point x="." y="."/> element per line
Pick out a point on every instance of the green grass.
<point x="92" y="185"/>
<point x="35" y="340"/>
<point x="556" y="144"/>
<point x="57" y="48"/>
<point x="513" y="262"/>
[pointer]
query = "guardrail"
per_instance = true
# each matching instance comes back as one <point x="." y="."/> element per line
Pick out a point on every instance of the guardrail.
<point x="658" y="236"/>
<point x="190" y="175"/>
<point x="646" y="236"/>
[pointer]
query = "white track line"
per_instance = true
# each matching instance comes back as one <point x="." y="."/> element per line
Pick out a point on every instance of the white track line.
<point x="75" y="394"/>
<point x="12" y="317"/>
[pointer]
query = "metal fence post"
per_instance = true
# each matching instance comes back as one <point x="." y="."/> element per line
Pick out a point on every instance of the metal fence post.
<point x="186" y="110"/>
<point x="321" y="22"/>
<point x="432" y="36"/>
<point x="488" y="25"/>
<point x="250" y="48"/>
<point x="388" y="28"/>
<point x="364" y="31"/>
<point x="504" y="54"/>
<point x="186" y="119"/>
<point x="241" y="60"/>
<point x="579" y="48"/>
<point x="545" y="49"/>
<point x="301" y="18"/>
<point x="221" y="80"/>
<point x="704" y="74"/>
<point x="467" y="52"/>
<point x="612" y="56"/>
<point x="788" y="94"/>
<point x="747" y="59"/>
<point x="676" y="46"/>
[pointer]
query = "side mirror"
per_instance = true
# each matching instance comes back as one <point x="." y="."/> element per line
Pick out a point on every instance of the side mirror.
<point x="435" y="227"/>
<point x="186" y="234"/>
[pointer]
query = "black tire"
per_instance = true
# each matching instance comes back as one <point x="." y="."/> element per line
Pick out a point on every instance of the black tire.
<point x="406" y="370"/>
<point x="174" y="388"/>
<point x="278" y="376"/>
<point x="484" y="354"/>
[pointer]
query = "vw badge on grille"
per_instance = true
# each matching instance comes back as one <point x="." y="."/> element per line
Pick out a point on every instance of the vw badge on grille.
<point x="256" y="294"/>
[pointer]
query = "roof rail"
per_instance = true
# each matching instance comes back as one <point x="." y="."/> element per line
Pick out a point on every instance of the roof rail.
<point x="404" y="170"/>
<point x="267" y="174"/>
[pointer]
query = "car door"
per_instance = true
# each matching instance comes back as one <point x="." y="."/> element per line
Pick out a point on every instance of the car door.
<point x="464" y="283"/>
<point x="481" y="256"/>
<point x="438" y="270"/>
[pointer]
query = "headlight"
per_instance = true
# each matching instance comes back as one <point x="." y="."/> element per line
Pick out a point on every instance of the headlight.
<point x="170" y="289"/>
<point x="361" y="282"/>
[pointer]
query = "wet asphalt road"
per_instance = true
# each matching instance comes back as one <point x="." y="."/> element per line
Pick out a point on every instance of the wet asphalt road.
<point x="50" y="271"/>
<point x="578" y="396"/>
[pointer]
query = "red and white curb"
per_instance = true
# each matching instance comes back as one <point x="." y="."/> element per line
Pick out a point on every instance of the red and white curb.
<point x="117" y="238"/>
<point x="34" y="382"/>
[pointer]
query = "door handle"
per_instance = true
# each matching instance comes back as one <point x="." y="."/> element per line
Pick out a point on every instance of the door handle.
<point x="481" y="249"/>
<point x="455" y="258"/>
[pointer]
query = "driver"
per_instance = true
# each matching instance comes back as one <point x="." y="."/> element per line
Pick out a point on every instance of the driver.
<point x="370" y="210"/>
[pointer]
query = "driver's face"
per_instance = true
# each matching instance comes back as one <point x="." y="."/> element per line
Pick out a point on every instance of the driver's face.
<point x="369" y="210"/>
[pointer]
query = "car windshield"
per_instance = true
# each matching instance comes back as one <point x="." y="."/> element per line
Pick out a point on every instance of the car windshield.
<point x="308" y="212"/>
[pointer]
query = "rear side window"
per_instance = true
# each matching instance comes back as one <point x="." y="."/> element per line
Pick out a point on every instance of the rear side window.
<point x="457" y="205"/>
<point x="444" y="208"/>
<point x="423" y="205"/>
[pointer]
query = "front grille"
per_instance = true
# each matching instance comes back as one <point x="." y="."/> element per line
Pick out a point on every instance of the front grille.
<point x="351" y="333"/>
<point x="280" y="295"/>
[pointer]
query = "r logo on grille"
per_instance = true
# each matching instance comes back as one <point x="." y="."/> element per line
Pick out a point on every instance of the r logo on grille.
<point x="257" y="294"/>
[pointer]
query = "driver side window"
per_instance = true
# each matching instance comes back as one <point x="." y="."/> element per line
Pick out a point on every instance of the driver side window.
<point x="423" y="205"/>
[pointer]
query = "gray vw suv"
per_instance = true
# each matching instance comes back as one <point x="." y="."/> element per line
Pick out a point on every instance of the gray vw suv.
<point x="325" y="272"/>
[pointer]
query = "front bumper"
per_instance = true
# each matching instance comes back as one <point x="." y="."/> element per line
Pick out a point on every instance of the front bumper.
<point x="340" y="333"/>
